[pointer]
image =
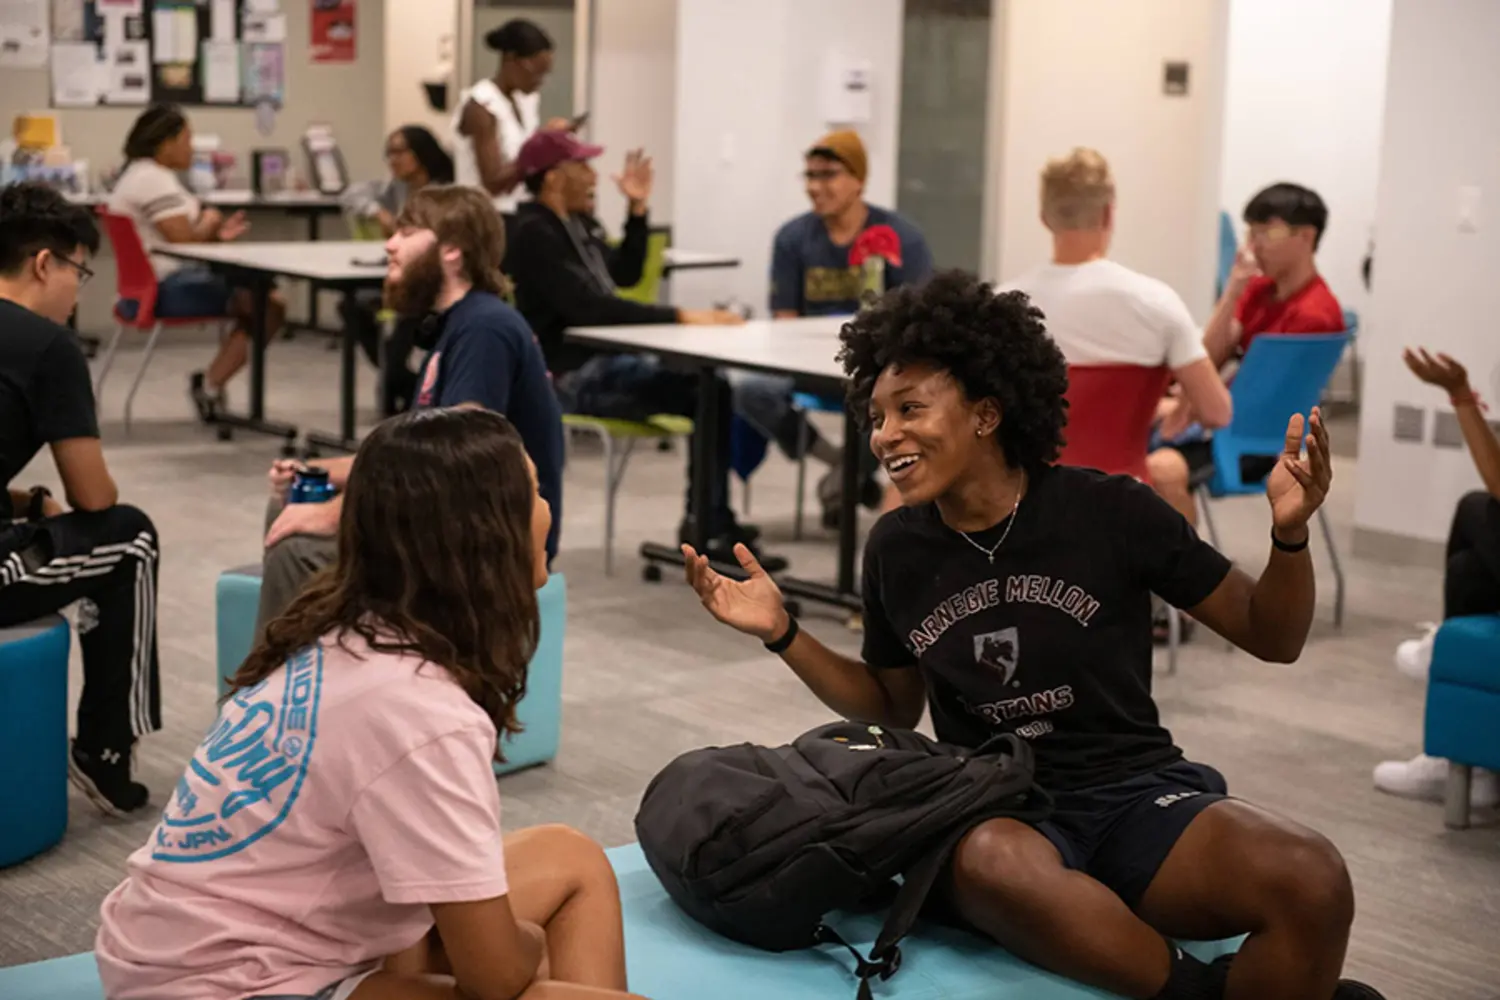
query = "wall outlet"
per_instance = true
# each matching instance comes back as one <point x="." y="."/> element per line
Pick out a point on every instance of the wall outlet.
<point x="1445" y="431"/>
<point x="1411" y="423"/>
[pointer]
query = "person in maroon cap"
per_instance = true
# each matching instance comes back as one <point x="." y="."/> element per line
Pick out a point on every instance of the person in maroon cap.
<point x="566" y="274"/>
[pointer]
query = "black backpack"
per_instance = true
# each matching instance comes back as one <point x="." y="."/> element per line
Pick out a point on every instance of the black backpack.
<point x="758" y="843"/>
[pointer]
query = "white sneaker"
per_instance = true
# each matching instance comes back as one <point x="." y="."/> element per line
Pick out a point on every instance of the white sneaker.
<point x="1426" y="778"/>
<point x="1414" y="656"/>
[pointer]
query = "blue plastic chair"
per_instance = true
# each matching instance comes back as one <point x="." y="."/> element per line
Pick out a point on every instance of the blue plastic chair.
<point x="1282" y="374"/>
<point x="1351" y="327"/>
<point x="805" y="403"/>
<point x="1229" y="248"/>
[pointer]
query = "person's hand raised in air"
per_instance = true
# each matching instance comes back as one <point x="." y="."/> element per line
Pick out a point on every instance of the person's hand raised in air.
<point x="1440" y="370"/>
<point x="636" y="179"/>
<point x="1298" y="486"/>
<point x="752" y="606"/>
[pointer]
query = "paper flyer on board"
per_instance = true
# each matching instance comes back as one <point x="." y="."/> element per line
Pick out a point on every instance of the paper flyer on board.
<point x="77" y="75"/>
<point x="264" y="73"/>
<point x="24" y="34"/>
<point x="333" y="31"/>
<point x="128" y="78"/>
<point x="221" y="72"/>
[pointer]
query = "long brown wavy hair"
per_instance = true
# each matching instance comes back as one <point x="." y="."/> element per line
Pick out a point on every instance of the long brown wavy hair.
<point x="435" y="559"/>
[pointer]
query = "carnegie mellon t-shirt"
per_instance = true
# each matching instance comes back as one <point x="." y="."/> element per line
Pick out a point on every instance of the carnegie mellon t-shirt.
<point x="1052" y="641"/>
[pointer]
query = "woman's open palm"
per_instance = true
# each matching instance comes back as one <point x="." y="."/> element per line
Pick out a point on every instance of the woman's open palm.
<point x="753" y="606"/>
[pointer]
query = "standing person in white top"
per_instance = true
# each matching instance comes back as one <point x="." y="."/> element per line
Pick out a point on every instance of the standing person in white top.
<point x="1103" y="313"/>
<point x="496" y="116"/>
<point x="149" y="191"/>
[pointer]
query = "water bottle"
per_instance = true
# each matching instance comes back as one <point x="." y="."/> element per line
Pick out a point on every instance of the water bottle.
<point x="311" y="485"/>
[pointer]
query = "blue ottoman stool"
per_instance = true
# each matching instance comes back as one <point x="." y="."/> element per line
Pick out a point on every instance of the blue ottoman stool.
<point x="1463" y="706"/>
<point x="237" y="602"/>
<point x="238" y="598"/>
<point x="541" y="710"/>
<point x="33" y="730"/>
<point x="669" y="957"/>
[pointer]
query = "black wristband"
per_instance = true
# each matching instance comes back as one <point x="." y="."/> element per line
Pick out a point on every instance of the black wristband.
<point x="39" y="496"/>
<point x="1281" y="546"/>
<point x="779" y="646"/>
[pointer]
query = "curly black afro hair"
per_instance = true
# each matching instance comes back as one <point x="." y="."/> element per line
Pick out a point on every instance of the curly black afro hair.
<point x="994" y="345"/>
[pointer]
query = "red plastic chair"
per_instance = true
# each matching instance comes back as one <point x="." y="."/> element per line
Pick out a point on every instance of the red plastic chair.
<point x="1110" y="412"/>
<point x="136" y="281"/>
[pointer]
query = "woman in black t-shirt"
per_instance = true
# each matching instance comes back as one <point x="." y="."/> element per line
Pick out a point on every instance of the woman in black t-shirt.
<point x="1013" y="595"/>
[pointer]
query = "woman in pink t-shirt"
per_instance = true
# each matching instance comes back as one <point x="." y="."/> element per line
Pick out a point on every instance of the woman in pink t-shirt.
<point x="337" y="833"/>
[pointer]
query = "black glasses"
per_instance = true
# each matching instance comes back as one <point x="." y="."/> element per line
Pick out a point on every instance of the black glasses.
<point x="84" y="271"/>
<point x="394" y="151"/>
<point x="823" y="174"/>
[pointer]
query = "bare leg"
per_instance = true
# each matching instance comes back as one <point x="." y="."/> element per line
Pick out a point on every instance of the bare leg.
<point x="1239" y="869"/>
<point x="561" y="880"/>
<point x="234" y="352"/>
<point x="1169" y="475"/>
<point x="1009" y="882"/>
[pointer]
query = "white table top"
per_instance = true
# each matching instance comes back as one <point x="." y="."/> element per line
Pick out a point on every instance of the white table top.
<point x="332" y="261"/>
<point x="241" y="198"/>
<point x="805" y="347"/>
<point x="683" y="260"/>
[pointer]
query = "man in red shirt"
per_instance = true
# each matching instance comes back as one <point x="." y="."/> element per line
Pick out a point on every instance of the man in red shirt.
<point x="1274" y="286"/>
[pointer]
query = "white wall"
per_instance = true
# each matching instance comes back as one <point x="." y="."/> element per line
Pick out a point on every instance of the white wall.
<point x="1434" y="285"/>
<point x="1089" y="73"/>
<point x="747" y="108"/>
<point x="633" y="99"/>
<point x="1306" y="106"/>
<point x="419" y="35"/>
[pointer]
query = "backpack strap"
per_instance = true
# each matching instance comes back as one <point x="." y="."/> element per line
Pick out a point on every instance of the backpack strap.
<point x="916" y="886"/>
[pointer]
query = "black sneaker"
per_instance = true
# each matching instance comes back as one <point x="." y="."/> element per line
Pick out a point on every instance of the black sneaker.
<point x="1348" y="989"/>
<point x="208" y="403"/>
<point x="104" y="776"/>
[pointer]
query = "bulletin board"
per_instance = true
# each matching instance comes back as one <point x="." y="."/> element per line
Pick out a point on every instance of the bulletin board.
<point x="215" y="53"/>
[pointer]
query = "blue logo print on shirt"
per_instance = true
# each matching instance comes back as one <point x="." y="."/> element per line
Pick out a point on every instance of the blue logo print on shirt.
<point x="253" y="759"/>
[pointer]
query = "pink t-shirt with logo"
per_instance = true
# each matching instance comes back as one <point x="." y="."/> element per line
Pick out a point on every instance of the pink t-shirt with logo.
<point x="324" y="810"/>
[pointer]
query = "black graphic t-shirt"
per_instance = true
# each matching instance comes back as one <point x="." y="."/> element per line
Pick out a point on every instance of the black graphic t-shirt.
<point x="1052" y="641"/>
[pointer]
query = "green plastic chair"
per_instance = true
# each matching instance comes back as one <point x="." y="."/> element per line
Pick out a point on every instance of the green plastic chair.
<point x="618" y="438"/>
<point x="648" y="289"/>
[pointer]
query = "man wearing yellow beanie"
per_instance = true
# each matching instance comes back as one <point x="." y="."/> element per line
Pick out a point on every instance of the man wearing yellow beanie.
<point x="811" y="275"/>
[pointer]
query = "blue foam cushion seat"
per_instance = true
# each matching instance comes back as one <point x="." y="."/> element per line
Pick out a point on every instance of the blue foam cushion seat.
<point x="669" y="957"/>
<point x="540" y="712"/>
<point x="33" y="737"/>
<point x="1463" y="692"/>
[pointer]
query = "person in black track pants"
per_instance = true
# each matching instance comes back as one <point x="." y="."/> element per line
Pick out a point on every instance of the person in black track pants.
<point x="99" y="553"/>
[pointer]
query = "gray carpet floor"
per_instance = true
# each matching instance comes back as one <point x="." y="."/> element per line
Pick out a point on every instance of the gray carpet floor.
<point x="648" y="676"/>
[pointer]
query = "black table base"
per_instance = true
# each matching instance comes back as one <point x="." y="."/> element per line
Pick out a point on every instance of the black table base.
<point x="706" y="462"/>
<point x="256" y="422"/>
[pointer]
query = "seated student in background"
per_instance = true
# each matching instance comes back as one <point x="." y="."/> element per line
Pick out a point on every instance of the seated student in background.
<point x="337" y="834"/>
<point x="567" y="274"/>
<point x="100" y="553"/>
<point x="149" y="191"/>
<point x="1274" y="287"/>
<point x="811" y="276"/>
<point x="416" y="160"/>
<point x="1471" y="584"/>
<point x="1103" y="313"/>
<point x="444" y="266"/>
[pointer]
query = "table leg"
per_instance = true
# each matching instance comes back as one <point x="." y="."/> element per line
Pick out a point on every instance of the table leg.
<point x="260" y="296"/>
<point x="348" y="389"/>
<point x="843" y="594"/>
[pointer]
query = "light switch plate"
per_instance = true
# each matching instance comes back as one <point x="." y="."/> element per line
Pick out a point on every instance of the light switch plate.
<point x="1411" y="423"/>
<point x="1445" y="430"/>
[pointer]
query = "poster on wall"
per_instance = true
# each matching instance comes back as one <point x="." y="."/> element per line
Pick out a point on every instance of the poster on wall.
<point x="333" y="31"/>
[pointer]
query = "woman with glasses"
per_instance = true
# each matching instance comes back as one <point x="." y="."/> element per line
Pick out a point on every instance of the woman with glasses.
<point x="150" y="191"/>
<point x="416" y="160"/>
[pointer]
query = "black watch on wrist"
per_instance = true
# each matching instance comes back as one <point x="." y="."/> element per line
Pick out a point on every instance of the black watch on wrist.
<point x="39" y="496"/>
